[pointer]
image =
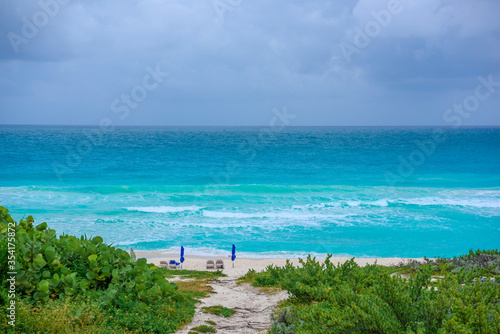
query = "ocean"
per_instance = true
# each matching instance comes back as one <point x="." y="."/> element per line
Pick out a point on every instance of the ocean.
<point x="364" y="192"/>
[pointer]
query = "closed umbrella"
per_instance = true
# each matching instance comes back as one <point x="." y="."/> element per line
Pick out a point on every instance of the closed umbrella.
<point x="182" y="255"/>
<point x="233" y="254"/>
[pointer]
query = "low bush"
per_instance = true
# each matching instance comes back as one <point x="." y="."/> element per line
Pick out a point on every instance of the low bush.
<point x="347" y="298"/>
<point x="68" y="284"/>
<point x="483" y="262"/>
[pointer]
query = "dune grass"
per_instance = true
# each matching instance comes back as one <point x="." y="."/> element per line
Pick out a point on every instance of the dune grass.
<point x="204" y="329"/>
<point x="219" y="310"/>
<point x="169" y="273"/>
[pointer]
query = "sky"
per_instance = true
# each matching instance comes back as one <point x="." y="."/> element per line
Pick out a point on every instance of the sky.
<point x="242" y="62"/>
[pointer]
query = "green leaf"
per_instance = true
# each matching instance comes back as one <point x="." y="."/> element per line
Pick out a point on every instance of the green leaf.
<point x="73" y="245"/>
<point x="84" y="284"/>
<point x="41" y="227"/>
<point x="50" y="253"/>
<point x="97" y="240"/>
<point x="38" y="261"/>
<point x="55" y="263"/>
<point x="92" y="248"/>
<point x="43" y="285"/>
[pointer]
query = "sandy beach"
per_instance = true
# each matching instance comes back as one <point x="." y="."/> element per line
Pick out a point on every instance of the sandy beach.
<point x="243" y="264"/>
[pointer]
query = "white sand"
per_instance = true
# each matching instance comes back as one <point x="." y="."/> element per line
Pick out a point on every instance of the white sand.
<point x="242" y="265"/>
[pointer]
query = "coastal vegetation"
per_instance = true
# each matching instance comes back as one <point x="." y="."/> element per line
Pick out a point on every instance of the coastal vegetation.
<point x="210" y="275"/>
<point x="459" y="295"/>
<point x="219" y="310"/>
<point x="202" y="329"/>
<point x="67" y="284"/>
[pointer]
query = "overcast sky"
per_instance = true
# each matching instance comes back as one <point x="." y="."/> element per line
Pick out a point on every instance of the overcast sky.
<point x="231" y="62"/>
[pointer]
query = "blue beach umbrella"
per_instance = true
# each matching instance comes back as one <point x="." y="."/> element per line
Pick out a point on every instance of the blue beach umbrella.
<point x="182" y="254"/>
<point x="233" y="254"/>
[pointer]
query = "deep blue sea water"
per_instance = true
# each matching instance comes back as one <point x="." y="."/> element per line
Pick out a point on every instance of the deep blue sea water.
<point x="377" y="192"/>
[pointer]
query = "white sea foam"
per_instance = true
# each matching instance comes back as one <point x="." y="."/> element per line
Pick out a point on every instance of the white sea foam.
<point x="464" y="202"/>
<point x="224" y="214"/>
<point x="262" y="215"/>
<point x="164" y="209"/>
<point x="380" y="202"/>
<point x="343" y="203"/>
<point x="143" y="239"/>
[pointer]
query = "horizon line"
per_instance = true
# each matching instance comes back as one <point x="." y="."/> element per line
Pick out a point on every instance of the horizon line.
<point x="253" y="126"/>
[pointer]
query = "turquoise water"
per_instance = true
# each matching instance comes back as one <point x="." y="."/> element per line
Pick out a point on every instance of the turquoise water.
<point x="377" y="192"/>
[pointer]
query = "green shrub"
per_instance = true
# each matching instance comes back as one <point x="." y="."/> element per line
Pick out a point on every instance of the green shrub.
<point x="347" y="298"/>
<point x="484" y="262"/>
<point x="284" y="322"/>
<point x="55" y="273"/>
<point x="52" y="267"/>
<point x="270" y="277"/>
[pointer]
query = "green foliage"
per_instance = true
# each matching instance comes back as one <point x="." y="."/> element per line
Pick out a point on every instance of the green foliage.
<point x="195" y="289"/>
<point x="84" y="315"/>
<point x="204" y="329"/>
<point x="249" y="277"/>
<point x="51" y="267"/>
<point x="5" y="219"/>
<point x="325" y="298"/>
<point x="284" y="321"/>
<point x="484" y="262"/>
<point x="154" y="317"/>
<point x="480" y="252"/>
<point x="219" y="310"/>
<point x="210" y="322"/>
<point x="130" y="295"/>
<point x="58" y="316"/>
<point x="211" y="275"/>
<point x="270" y="277"/>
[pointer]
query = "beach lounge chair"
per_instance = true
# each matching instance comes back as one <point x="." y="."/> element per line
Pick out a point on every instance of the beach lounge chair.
<point x="163" y="264"/>
<point x="210" y="264"/>
<point x="219" y="264"/>
<point x="172" y="264"/>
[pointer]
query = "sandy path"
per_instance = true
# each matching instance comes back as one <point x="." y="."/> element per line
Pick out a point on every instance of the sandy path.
<point x="253" y="308"/>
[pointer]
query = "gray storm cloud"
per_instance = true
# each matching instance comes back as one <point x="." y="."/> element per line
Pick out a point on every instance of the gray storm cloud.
<point x="230" y="62"/>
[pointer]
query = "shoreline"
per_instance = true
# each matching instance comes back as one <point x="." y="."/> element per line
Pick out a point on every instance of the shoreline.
<point x="243" y="264"/>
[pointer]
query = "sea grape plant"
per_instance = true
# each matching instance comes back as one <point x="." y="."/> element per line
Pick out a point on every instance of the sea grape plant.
<point x="51" y="267"/>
